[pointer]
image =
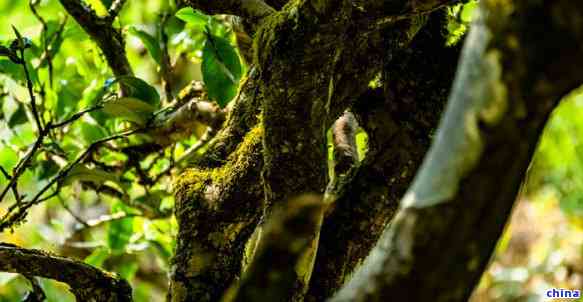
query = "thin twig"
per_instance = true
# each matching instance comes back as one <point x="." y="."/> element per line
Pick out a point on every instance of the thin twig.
<point x="29" y="83"/>
<point x="114" y="9"/>
<point x="10" y="218"/>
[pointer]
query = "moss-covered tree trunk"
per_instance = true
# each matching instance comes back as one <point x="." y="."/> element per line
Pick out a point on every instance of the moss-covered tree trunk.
<point x="312" y="60"/>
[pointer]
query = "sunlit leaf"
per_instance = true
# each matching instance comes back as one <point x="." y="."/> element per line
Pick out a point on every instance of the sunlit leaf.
<point x="8" y="158"/>
<point x="129" y="108"/>
<point x="139" y="89"/>
<point x="120" y="230"/>
<point x="91" y="131"/>
<point x="468" y="11"/>
<point x="97" y="257"/>
<point x="221" y="69"/>
<point x="96" y="175"/>
<point x="197" y="19"/>
<point x="14" y="112"/>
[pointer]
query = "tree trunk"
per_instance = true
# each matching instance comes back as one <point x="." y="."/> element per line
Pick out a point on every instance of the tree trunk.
<point x="517" y="63"/>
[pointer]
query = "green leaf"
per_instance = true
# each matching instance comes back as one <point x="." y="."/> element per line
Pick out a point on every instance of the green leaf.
<point x="8" y="158"/>
<point x="46" y="169"/>
<point x="139" y="89"/>
<point x="128" y="270"/>
<point x="221" y="69"/>
<point x="107" y="3"/>
<point x="120" y="231"/>
<point x="96" y="175"/>
<point x="97" y="257"/>
<point x="93" y="95"/>
<point x="12" y="70"/>
<point x="69" y="94"/>
<point x="468" y="11"/>
<point x="193" y="17"/>
<point x="91" y="131"/>
<point x="150" y="42"/>
<point x="14" y="112"/>
<point x="130" y="109"/>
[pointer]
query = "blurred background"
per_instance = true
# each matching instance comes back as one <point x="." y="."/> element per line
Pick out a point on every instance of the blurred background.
<point x="541" y="248"/>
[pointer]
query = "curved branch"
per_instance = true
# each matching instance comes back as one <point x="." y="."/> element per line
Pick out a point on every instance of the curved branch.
<point x="398" y="119"/>
<point x="109" y="40"/>
<point x="287" y="237"/>
<point x="508" y="82"/>
<point x="87" y="282"/>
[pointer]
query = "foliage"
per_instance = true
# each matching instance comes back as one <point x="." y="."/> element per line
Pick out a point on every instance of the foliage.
<point x="75" y="148"/>
<point x="92" y="195"/>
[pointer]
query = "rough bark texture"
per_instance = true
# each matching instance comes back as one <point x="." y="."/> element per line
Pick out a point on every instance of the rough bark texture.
<point x="87" y="283"/>
<point x="274" y="271"/>
<point x="310" y="60"/>
<point x="303" y="70"/>
<point x="398" y="119"/>
<point x="109" y="40"/>
<point x="217" y="210"/>
<point x="519" y="60"/>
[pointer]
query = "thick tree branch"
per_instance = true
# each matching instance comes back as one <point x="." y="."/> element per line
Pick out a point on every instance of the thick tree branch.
<point x="508" y="82"/>
<point x="87" y="283"/>
<point x="398" y="119"/>
<point x="217" y="210"/>
<point x="310" y="101"/>
<point x="109" y="40"/>
<point x="286" y="239"/>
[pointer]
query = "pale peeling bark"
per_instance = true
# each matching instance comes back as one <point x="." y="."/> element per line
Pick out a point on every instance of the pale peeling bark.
<point x="519" y="60"/>
<point x="344" y="141"/>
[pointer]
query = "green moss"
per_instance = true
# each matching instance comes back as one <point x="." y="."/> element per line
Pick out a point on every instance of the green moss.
<point x="193" y="183"/>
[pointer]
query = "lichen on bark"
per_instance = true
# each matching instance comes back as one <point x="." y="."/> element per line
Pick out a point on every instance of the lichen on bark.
<point x="217" y="210"/>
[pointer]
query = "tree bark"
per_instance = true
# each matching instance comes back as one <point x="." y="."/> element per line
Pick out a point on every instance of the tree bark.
<point x="87" y="283"/>
<point x="398" y="118"/>
<point x="308" y="65"/>
<point x="519" y="60"/>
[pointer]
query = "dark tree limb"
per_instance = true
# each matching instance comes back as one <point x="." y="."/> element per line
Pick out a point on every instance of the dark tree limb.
<point x="87" y="283"/>
<point x="285" y="240"/>
<point x="316" y="98"/>
<point x="114" y="9"/>
<point x="398" y="119"/>
<point x="390" y="11"/>
<point x="109" y="40"/>
<point x="519" y="60"/>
